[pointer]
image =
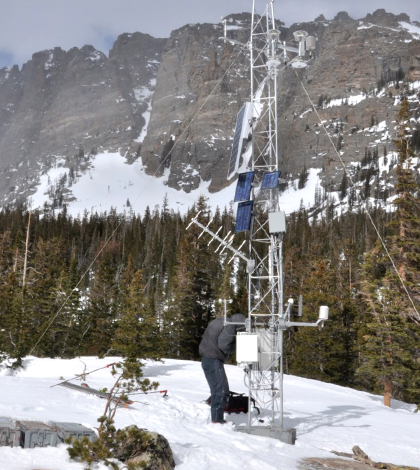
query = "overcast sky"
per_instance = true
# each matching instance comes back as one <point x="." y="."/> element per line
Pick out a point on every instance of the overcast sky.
<point x="29" y="26"/>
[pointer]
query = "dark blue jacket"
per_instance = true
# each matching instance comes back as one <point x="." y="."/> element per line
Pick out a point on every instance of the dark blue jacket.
<point x="218" y="340"/>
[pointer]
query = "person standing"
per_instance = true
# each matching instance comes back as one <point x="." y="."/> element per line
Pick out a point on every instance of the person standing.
<point x="217" y="344"/>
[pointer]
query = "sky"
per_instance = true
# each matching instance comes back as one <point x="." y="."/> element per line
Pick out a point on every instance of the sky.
<point x="30" y="26"/>
<point x="326" y="417"/>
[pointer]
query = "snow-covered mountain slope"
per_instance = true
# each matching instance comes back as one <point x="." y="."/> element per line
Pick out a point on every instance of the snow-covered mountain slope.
<point x="110" y="183"/>
<point x="172" y="104"/>
<point x="327" y="418"/>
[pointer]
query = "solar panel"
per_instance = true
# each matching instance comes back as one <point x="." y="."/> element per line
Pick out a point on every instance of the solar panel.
<point x="241" y="131"/>
<point x="270" y="180"/>
<point x="236" y="138"/>
<point x="244" y="216"/>
<point x="243" y="186"/>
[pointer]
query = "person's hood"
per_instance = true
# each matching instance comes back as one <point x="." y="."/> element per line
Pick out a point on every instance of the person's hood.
<point x="238" y="318"/>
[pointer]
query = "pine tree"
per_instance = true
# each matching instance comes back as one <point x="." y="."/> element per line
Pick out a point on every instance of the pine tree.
<point x="73" y="321"/>
<point x="40" y="296"/>
<point x="137" y="335"/>
<point x="191" y="306"/>
<point x="405" y="244"/>
<point x="387" y="339"/>
<point x="102" y="308"/>
<point x="328" y="354"/>
<point x="225" y="292"/>
<point x="391" y="333"/>
<point x="8" y="287"/>
<point x="343" y="186"/>
<point x="303" y="177"/>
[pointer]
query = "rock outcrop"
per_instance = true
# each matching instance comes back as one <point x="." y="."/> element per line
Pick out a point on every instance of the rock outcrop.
<point x="351" y="85"/>
<point x="359" y="460"/>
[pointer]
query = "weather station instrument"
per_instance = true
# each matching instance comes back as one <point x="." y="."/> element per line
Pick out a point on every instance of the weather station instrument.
<point x="255" y="159"/>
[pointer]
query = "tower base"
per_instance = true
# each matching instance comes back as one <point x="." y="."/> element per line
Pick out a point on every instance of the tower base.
<point x="287" y="435"/>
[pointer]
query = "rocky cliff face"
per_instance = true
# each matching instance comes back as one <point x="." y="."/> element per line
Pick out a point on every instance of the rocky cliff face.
<point x="73" y="104"/>
<point x="201" y="85"/>
<point x="354" y="82"/>
<point x="191" y="86"/>
<point x="351" y="85"/>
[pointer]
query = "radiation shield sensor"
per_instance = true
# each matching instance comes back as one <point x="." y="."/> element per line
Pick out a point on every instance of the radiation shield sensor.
<point x="246" y="348"/>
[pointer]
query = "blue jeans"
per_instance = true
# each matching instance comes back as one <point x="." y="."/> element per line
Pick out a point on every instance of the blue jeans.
<point x="214" y="371"/>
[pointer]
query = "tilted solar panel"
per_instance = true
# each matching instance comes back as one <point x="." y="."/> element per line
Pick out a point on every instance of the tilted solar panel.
<point x="243" y="186"/>
<point x="244" y="216"/>
<point x="236" y="140"/>
<point x="270" y="180"/>
<point x="241" y="131"/>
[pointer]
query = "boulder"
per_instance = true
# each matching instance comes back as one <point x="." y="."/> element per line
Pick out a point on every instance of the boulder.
<point x="145" y="450"/>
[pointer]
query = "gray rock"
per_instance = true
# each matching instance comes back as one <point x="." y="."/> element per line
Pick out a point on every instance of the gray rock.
<point x="316" y="463"/>
<point x="331" y="464"/>
<point x="145" y="450"/>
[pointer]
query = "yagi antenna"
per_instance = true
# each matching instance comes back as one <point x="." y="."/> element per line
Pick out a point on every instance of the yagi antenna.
<point x="229" y="243"/>
<point x="233" y="257"/>
<point x="223" y="242"/>
<point x="208" y="225"/>
<point x="217" y="233"/>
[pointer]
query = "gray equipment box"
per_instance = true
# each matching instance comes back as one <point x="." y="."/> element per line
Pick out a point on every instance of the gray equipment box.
<point x="76" y="431"/>
<point x="37" y="434"/>
<point x="10" y="433"/>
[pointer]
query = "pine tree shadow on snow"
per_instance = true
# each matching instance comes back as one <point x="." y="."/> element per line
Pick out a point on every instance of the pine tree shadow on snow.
<point x="333" y="416"/>
<point x="160" y="368"/>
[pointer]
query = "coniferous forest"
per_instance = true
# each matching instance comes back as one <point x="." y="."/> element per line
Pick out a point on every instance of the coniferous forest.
<point x="145" y="286"/>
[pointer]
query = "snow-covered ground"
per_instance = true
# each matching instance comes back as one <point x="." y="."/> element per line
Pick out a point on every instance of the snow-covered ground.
<point x="112" y="183"/>
<point x="327" y="417"/>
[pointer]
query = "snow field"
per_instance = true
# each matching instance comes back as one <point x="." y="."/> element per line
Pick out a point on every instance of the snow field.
<point x="327" y="417"/>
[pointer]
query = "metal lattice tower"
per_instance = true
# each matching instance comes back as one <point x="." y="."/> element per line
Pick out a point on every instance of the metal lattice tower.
<point x="267" y="319"/>
<point x="260" y="349"/>
<point x="265" y="281"/>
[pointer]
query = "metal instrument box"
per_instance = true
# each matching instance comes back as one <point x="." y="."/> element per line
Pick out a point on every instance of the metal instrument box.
<point x="75" y="430"/>
<point x="10" y="433"/>
<point x="37" y="434"/>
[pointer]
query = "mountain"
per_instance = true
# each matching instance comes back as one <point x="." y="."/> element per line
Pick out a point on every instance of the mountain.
<point x="170" y="106"/>
<point x="327" y="418"/>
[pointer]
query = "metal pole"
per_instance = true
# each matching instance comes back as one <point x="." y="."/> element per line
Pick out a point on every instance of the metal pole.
<point x="281" y="301"/>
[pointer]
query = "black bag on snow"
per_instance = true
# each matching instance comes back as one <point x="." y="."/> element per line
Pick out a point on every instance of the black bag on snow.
<point x="237" y="403"/>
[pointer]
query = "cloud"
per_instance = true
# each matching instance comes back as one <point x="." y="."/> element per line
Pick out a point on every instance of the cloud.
<point x="30" y="26"/>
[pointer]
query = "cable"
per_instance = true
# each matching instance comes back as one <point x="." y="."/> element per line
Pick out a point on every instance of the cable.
<point x="85" y="373"/>
<point x="192" y="120"/>
<point x="417" y="319"/>
<point x="138" y="197"/>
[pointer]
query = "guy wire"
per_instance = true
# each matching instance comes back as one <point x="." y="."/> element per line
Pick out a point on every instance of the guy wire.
<point x="417" y="319"/>
<point x="138" y="197"/>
